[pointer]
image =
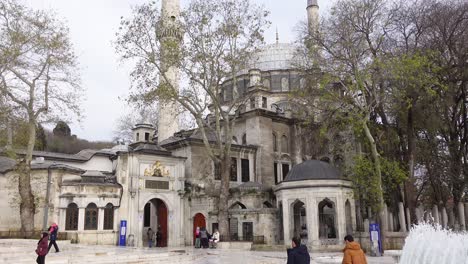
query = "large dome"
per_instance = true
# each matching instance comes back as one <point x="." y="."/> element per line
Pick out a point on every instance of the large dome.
<point x="313" y="170"/>
<point x="278" y="56"/>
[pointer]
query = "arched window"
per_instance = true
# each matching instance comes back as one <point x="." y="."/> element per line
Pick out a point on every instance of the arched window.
<point x="284" y="144"/>
<point x="91" y="217"/>
<point x="109" y="217"/>
<point x="267" y="204"/>
<point x="71" y="218"/>
<point x="234" y="140"/>
<point x="275" y="143"/>
<point x="244" y="139"/>
<point x="238" y="205"/>
<point x="325" y="159"/>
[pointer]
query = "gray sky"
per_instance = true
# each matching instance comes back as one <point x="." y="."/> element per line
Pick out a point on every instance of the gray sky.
<point x="93" y="24"/>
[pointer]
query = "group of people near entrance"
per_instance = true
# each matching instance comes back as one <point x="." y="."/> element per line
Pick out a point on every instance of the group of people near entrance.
<point x="152" y="236"/>
<point x="353" y="253"/>
<point x="203" y="239"/>
<point x="48" y="239"/>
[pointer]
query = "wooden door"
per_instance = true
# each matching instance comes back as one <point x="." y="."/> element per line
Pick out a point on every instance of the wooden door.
<point x="198" y="220"/>
<point x="162" y="221"/>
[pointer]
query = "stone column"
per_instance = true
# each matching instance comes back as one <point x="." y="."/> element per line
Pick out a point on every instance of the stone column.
<point x="100" y="225"/>
<point x="391" y="227"/>
<point x="451" y="217"/>
<point x="444" y="217"/>
<point x="385" y="218"/>
<point x="401" y="215"/>
<point x="81" y="219"/>
<point x="435" y="214"/>
<point x="286" y="224"/>
<point x="408" y="219"/>
<point x="466" y="216"/>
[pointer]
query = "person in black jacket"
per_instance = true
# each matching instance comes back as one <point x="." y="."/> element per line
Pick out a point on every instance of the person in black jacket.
<point x="53" y="230"/>
<point x="298" y="254"/>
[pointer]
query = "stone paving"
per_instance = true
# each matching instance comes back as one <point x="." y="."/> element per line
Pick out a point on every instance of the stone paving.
<point x="16" y="251"/>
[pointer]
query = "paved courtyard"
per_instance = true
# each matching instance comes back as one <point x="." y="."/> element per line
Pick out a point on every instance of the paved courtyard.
<point x="16" y="251"/>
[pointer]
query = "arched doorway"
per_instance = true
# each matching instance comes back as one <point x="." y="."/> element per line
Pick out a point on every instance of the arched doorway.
<point x="155" y="217"/>
<point x="327" y="227"/>
<point x="300" y="221"/>
<point x="198" y="221"/>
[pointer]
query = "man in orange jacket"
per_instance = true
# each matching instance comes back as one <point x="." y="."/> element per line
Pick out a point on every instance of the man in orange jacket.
<point x="353" y="253"/>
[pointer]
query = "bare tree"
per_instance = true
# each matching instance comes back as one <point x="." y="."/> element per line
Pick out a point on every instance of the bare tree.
<point x="219" y="37"/>
<point x="38" y="74"/>
<point x="124" y="125"/>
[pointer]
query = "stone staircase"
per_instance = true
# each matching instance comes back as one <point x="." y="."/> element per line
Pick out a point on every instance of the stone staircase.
<point x="19" y="251"/>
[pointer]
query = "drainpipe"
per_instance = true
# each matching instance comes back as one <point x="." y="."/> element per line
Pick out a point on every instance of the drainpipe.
<point x="46" y="204"/>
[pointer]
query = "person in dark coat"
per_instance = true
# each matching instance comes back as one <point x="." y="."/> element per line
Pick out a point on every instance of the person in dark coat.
<point x="204" y="236"/>
<point x="53" y="231"/>
<point x="159" y="236"/>
<point x="42" y="248"/>
<point x="298" y="254"/>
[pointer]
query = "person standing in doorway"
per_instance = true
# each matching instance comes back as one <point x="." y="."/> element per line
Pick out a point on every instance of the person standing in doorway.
<point x="53" y="231"/>
<point x="150" y="235"/>
<point x="42" y="248"/>
<point x="298" y="254"/>
<point x="204" y="237"/>
<point x="197" y="237"/>
<point x="159" y="236"/>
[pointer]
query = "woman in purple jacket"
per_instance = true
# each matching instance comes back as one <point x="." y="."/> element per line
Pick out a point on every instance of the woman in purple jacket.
<point x="42" y="248"/>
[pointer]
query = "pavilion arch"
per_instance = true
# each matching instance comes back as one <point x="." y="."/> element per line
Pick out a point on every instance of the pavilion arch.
<point x="237" y="205"/>
<point x="299" y="220"/>
<point x="327" y="219"/>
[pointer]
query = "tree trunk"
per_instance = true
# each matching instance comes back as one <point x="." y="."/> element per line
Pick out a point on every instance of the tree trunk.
<point x="27" y="205"/>
<point x="378" y="175"/>
<point x="9" y="145"/>
<point x="410" y="189"/>
<point x="223" y="216"/>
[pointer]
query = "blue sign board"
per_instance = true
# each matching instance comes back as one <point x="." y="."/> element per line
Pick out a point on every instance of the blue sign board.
<point x="375" y="235"/>
<point x="123" y="233"/>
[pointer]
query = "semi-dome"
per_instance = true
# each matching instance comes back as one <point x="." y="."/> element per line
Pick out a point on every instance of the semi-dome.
<point x="278" y="56"/>
<point x="313" y="170"/>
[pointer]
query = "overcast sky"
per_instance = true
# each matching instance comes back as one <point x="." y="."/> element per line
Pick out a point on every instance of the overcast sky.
<point x="93" y="24"/>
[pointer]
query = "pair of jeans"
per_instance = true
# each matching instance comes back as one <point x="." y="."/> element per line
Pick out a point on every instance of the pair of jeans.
<point x="52" y="242"/>
<point x="197" y="242"/>
<point x="150" y="243"/>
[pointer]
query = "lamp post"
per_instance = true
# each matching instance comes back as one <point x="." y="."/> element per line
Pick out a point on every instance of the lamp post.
<point x="46" y="203"/>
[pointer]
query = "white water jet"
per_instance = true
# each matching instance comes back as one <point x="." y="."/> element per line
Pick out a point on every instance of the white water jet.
<point x="432" y="244"/>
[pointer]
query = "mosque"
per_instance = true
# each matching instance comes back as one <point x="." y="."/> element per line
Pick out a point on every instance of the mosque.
<point x="166" y="181"/>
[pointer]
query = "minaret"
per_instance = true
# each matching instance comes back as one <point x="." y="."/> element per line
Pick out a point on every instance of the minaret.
<point x="170" y="37"/>
<point x="313" y="15"/>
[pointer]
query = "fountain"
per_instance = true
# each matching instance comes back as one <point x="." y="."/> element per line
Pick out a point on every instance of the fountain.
<point x="431" y="244"/>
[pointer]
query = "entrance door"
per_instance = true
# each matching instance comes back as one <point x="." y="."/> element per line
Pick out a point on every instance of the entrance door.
<point x="162" y="220"/>
<point x="247" y="231"/>
<point x="198" y="221"/>
<point x="155" y="217"/>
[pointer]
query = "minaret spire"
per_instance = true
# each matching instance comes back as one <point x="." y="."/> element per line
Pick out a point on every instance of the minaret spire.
<point x="313" y="15"/>
<point x="277" y="36"/>
<point x="169" y="35"/>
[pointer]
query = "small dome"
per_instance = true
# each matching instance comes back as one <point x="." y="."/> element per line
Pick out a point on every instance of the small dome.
<point x="278" y="56"/>
<point x="313" y="170"/>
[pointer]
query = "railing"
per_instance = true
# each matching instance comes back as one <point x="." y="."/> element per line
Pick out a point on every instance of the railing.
<point x="235" y="237"/>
